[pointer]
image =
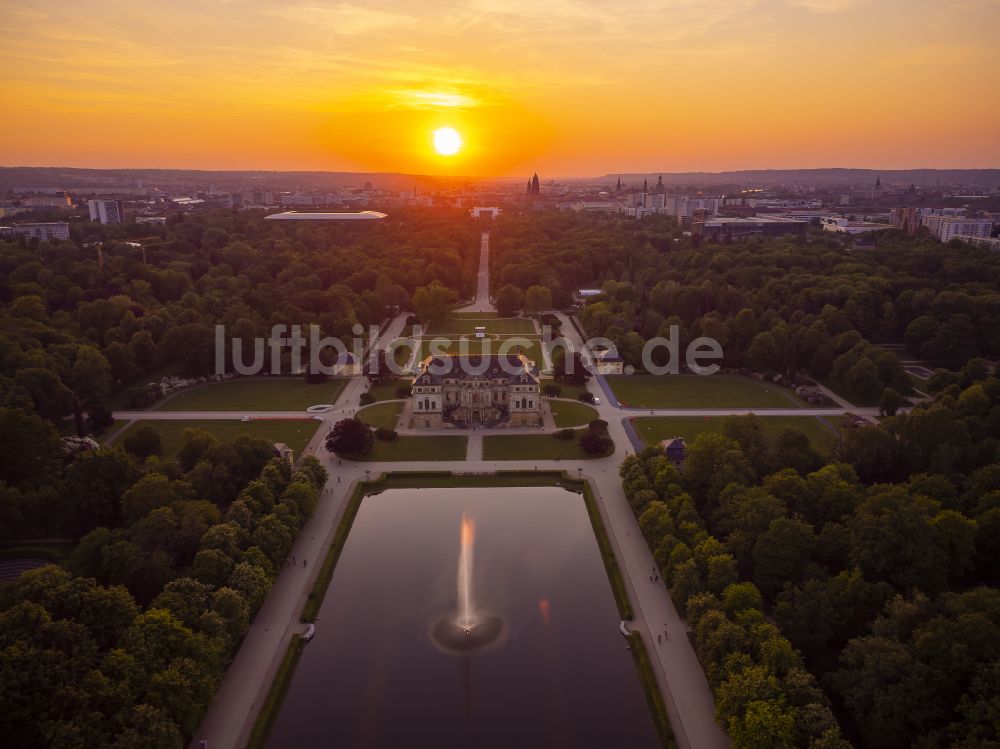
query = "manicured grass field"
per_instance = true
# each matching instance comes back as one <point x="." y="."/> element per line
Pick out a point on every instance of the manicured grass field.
<point x="696" y="391"/>
<point x="418" y="448"/>
<point x="531" y="349"/>
<point x="572" y="413"/>
<point x="818" y="429"/>
<point x="296" y="434"/>
<point x="255" y="394"/>
<point x="568" y="390"/>
<point x="533" y="447"/>
<point x="386" y="391"/>
<point x="494" y="326"/>
<point x="838" y="387"/>
<point x="381" y="415"/>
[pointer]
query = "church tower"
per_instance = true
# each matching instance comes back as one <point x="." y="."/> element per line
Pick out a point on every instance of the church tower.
<point x="534" y="185"/>
<point x="618" y="187"/>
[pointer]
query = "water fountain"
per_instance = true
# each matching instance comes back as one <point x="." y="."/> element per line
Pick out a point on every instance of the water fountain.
<point x="467" y="628"/>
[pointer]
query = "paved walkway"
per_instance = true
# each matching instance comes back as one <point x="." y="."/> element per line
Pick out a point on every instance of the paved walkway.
<point x="482" y="302"/>
<point x="474" y="449"/>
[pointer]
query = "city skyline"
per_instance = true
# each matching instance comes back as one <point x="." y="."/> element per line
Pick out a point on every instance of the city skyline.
<point x="568" y="89"/>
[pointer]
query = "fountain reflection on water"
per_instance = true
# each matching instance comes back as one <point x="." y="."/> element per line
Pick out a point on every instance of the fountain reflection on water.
<point x="467" y="628"/>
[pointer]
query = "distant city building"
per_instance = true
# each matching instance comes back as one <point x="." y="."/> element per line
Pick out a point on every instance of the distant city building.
<point x="43" y="231"/>
<point x="734" y="229"/>
<point x="49" y="201"/>
<point x="534" y="188"/>
<point x="684" y="207"/>
<point x="946" y="228"/>
<point x="107" y="211"/>
<point x="479" y="211"/>
<point x="905" y="218"/>
<point x="986" y="243"/>
<point x="154" y="220"/>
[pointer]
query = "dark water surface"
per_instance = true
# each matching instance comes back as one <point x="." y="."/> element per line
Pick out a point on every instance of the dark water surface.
<point x="559" y="677"/>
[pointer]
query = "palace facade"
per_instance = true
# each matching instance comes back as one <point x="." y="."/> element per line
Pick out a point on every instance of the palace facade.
<point x="465" y="390"/>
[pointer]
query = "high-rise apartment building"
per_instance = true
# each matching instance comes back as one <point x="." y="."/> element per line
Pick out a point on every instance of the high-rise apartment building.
<point x="107" y="211"/>
<point x="946" y="228"/>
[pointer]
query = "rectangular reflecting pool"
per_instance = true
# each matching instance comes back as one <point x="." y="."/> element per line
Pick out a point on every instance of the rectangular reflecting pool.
<point x="497" y="631"/>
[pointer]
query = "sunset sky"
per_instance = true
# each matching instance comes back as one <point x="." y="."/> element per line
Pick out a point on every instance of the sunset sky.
<point x="564" y="87"/>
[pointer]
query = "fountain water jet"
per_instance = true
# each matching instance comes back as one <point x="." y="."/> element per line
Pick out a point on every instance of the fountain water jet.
<point x="467" y="628"/>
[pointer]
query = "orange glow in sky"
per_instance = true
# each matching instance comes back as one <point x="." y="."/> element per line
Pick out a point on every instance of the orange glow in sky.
<point x="562" y="87"/>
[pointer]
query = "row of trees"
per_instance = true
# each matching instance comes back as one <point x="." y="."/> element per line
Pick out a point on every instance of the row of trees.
<point x="883" y="590"/>
<point x="126" y="645"/>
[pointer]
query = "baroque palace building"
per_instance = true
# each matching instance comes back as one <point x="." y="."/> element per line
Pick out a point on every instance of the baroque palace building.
<point x="488" y="390"/>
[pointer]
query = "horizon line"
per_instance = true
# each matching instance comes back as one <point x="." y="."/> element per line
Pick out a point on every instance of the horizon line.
<point x="505" y="178"/>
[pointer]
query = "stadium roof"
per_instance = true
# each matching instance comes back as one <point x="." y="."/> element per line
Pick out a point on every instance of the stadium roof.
<point x="306" y="216"/>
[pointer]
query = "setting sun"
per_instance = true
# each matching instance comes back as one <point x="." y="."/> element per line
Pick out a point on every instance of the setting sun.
<point x="447" y="141"/>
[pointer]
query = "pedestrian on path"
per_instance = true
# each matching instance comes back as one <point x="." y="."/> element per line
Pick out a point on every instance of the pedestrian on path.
<point x="303" y="562"/>
<point x="659" y="638"/>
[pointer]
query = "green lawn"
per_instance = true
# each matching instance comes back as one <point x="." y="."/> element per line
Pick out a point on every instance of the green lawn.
<point x="255" y="394"/>
<point x="533" y="447"/>
<point x="696" y="391"/>
<point x="382" y="415"/>
<point x="654" y="429"/>
<point x="568" y="390"/>
<point x="494" y="325"/>
<point x="418" y="448"/>
<point x="839" y="388"/>
<point x="386" y="391"/>
<point x="572" y="413"/>
<point x="532" y="349"/>
<point x="294" y="433"/>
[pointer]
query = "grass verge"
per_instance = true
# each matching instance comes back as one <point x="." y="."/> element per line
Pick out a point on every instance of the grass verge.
<point x="535" y="447"/>
<point x="696" y="391"/>
<point x="607" y="553"/>
<point x="654" y="697"/>
<point x="315" y="598"/>
<point x="276" y="695"/>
